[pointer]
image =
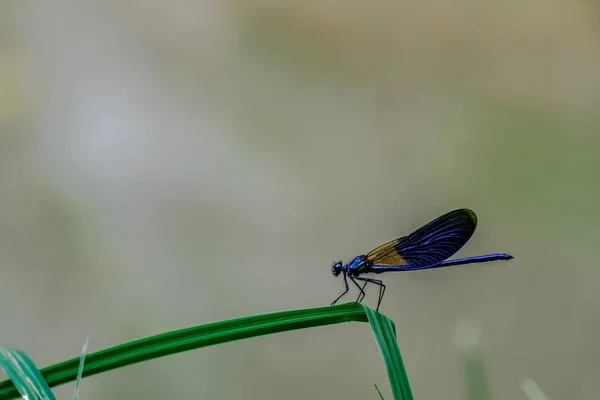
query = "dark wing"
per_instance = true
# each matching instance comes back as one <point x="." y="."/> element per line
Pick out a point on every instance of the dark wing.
<point x="430" y="244"/>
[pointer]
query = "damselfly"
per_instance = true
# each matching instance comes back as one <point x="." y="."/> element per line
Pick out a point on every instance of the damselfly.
<point x="428" y="247"/>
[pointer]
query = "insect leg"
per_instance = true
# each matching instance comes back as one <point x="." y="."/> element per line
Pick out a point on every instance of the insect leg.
<point x="361" y="295"/>
<point x="378" y="283"/>
<point x="345" y="291"/>
<point x="363" y="290"/>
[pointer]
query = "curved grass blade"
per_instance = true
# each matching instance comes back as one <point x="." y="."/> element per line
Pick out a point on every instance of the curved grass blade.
<point x="230" y="330"/>
<point x="24" y="375"/>
<point x="384" y="332"/>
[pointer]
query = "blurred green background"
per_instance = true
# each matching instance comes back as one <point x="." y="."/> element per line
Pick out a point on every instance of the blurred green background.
<point x="164" y="165"/>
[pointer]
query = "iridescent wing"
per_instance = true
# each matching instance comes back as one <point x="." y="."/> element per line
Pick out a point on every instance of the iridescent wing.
<point x="430" y="244"/>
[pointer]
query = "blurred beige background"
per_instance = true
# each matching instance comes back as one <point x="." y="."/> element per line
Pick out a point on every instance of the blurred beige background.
<point x="164" y="165"/>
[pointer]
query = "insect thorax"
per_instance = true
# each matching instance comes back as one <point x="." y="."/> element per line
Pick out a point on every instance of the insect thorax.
<point x="358" y="266"/>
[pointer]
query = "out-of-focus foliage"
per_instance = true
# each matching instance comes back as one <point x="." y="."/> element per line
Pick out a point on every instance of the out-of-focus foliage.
<point x="196" y="161"/>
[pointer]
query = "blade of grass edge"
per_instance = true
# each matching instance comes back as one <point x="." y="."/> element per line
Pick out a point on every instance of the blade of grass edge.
<point x="192" y="338"/>
<point x="532" y="390"/>
<point x="230" y="330"/>
<point x="468" y="338"/>
<point x="384" y="332"/>
<point x="25" y="376"/>
<point x="80" y="370"/>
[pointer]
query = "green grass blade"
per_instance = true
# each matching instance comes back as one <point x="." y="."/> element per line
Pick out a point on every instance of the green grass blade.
<point x="532" y="390"/>
<point x="468" y="337"/>
<point x="24" y="375"/>
<point x="80" y="370"/>
<point x="227" y="331"/>
<point x="384" y="332"/>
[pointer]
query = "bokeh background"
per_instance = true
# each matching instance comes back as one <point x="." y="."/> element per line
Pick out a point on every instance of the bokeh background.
<point x="168" y="164"/>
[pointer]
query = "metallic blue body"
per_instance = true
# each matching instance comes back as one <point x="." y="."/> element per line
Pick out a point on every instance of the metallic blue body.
<point x="448" y="263"/>
<point x="428" y="247"/>
<point x="356" y="266"/>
